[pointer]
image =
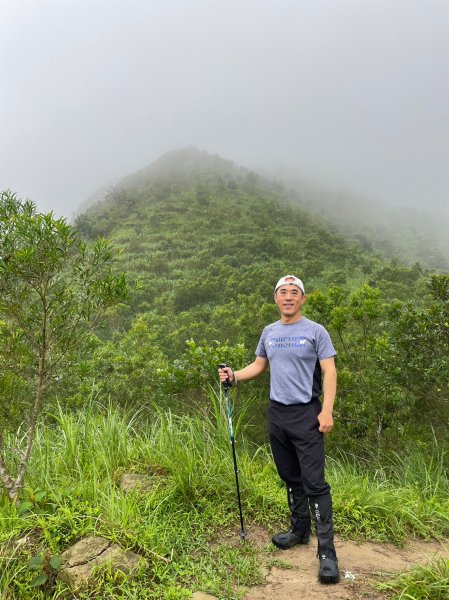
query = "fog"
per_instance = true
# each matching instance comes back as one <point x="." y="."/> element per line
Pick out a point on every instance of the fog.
<point x="350" y="94"/>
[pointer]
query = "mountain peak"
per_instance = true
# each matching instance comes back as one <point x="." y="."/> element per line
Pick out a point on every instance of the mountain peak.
<point x="181" y="161"/>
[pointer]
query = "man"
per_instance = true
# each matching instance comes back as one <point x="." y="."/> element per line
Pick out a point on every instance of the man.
<point x="302" y="368"/>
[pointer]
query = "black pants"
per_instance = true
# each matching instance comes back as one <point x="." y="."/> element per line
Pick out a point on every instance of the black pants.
<point x="298" y="445"/>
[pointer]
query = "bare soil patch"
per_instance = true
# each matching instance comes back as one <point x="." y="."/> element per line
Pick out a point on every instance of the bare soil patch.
<point x="291" y="574"/>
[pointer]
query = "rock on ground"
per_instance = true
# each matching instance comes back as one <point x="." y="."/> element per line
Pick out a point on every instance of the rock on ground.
<point x="81" y="560"/>
<point x="134" y="482"/>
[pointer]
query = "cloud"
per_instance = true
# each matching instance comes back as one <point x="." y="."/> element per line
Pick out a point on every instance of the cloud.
<point x="352" y="94"/>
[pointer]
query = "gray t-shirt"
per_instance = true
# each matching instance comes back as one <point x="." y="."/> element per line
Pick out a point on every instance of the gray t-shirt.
<point x="294" y="351"/>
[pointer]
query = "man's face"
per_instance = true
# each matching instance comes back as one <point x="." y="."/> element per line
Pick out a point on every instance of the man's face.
<point x="289" y="299"/>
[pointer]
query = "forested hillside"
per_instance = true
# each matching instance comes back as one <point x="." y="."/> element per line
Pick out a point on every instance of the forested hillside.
<point x="406" y="234"/>
<point x="199" y="234"/>
<point x="205" y="241"/>
<point x="401" y="232"/>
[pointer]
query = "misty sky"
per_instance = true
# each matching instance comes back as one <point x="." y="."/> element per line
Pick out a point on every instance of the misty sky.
<point x="353" y="94"/>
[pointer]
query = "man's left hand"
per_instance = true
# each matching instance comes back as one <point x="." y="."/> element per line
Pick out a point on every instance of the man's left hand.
<point x="326" y="422"/>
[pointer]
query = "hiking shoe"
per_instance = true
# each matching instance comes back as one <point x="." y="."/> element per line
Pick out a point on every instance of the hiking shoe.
<point x="288" y="539"/>
<point x="328" y="572"/>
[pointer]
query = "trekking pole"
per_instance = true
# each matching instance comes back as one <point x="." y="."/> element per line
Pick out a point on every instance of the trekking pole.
<point x="231" y="432"/>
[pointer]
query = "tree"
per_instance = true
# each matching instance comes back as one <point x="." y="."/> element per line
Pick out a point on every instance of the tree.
<point x="419" y="349"/>
<point x="54" y="290"/>
<point x="126" y="368"/>
<point x="370" y="402"/>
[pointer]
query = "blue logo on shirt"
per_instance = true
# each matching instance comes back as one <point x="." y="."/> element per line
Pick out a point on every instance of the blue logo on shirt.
<point x="294" y="341"/>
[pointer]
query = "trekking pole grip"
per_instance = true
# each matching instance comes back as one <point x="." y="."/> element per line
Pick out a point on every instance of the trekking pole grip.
<point x="226" y="383"/>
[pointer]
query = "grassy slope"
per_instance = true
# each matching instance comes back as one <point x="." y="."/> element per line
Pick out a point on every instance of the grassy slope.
<point x="217" y="236"/>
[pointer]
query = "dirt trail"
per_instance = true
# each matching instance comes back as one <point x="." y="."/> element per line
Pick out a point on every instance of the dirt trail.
<point x="292" y="574"/>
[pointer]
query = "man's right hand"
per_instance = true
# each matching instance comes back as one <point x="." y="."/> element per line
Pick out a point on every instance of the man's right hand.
<point x="226" y="373"/>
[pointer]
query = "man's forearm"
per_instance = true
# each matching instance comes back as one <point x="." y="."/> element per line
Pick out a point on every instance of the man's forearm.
<point x="329" y="390"/>
<point x="252" y="370"/>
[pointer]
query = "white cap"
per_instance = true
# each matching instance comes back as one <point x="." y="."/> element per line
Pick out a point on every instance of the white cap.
<point x="292" y="280"/>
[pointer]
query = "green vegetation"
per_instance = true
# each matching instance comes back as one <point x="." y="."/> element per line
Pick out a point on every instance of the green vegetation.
<point x="204" y="243"/>
<point x="429" y="582"/>
<point x="183" y="525"/>
<point x="54" y="290"/>
<point x="404" y="234"/>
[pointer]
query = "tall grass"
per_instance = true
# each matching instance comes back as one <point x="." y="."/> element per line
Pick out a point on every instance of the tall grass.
<point x="428" y="582"/>
<point x="79" y="458"/>
<point x="408" y="497"/>
<point x="427" y="472"/>
<point x="191" y="500"/>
